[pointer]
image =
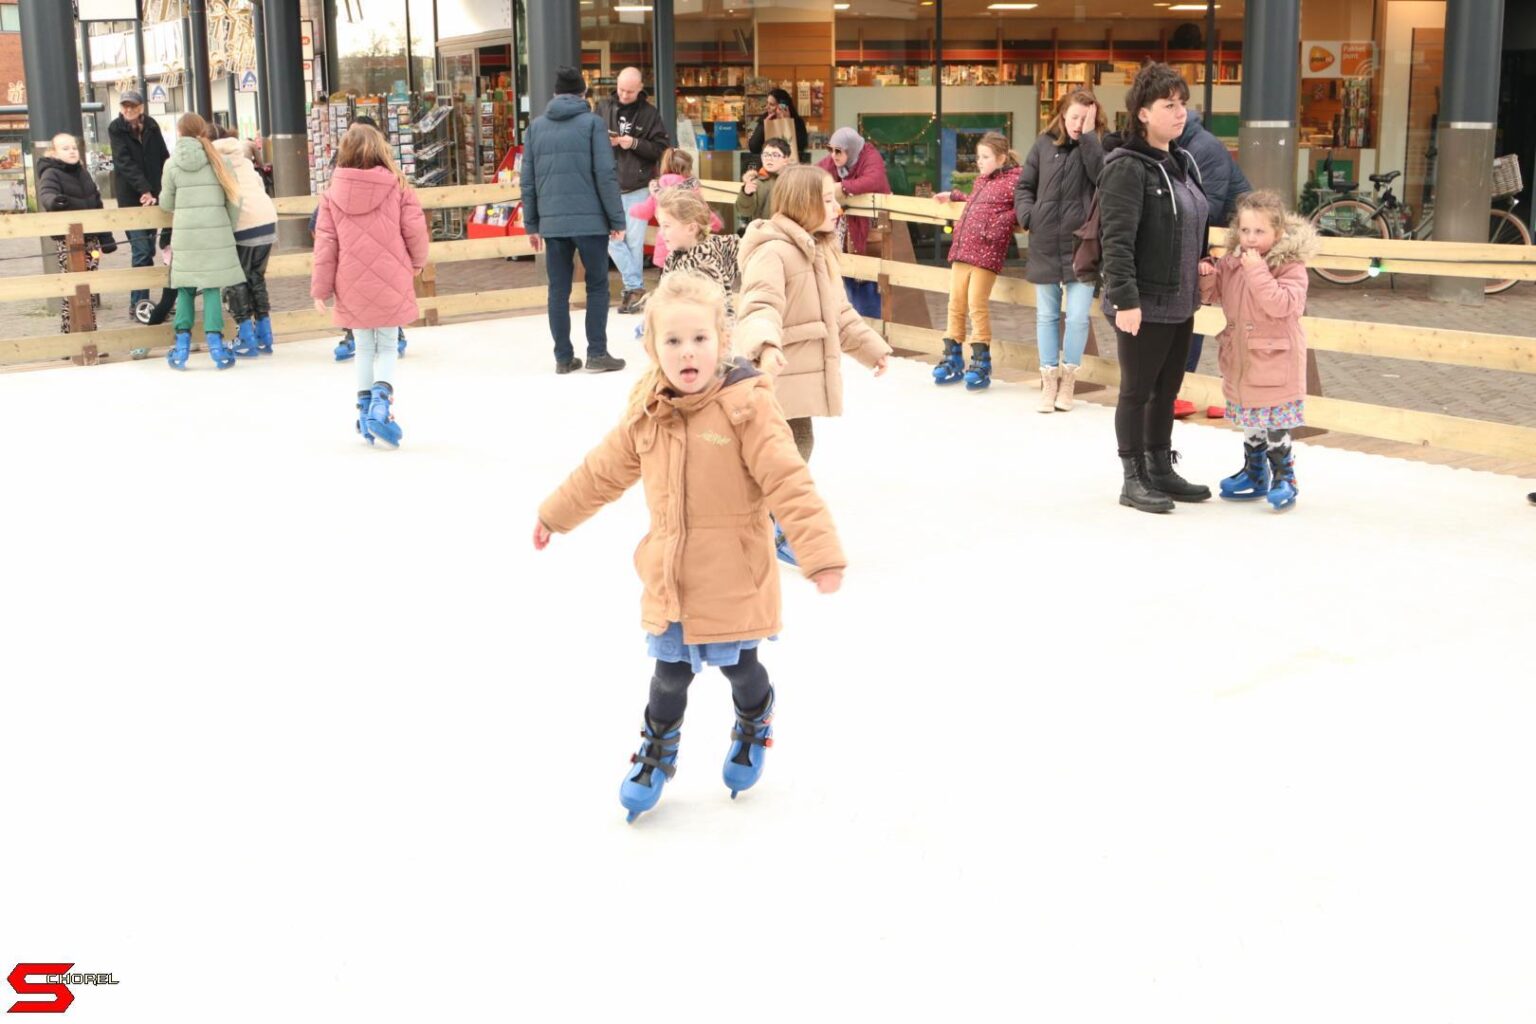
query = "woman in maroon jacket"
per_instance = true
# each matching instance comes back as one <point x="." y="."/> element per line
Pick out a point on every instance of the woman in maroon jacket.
<point x="977" y="254"/>
<point x="858" y="169"/>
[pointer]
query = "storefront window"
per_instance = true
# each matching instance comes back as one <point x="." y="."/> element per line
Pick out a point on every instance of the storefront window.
<point x="615" y="34"/>
<point x="372" y="50"/>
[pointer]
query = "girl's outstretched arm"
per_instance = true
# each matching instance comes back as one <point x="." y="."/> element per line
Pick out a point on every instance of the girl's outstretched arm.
<point x="608" y="471"/>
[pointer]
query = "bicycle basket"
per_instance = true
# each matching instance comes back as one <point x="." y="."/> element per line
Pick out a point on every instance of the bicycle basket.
<point x="1506" y="176"/>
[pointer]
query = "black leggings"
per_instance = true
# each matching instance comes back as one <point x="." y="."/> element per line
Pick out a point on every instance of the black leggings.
<point x="249" y="299"/>
<point x="805" y="438"/>
<point x="1151" y="372"/>
<point x="669" y="687"/>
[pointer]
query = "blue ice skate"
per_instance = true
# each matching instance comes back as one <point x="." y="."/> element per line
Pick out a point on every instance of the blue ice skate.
<point x="346" y="348"/>
<point x="400" y="342"/>
<point x="246" y="345"/>
<point x="177" y="356"/>
<point x="380" y="422"/>
<point x="222" y="357"/>
<point x="364" y="400"/>
<point x="750" y="740"/>
<point x="1282" y="492"/>
<point x="1250" y="482"/>
<point x="979" y="375"/>
<point x="654" y="764"/>
<point x="951" y="368"/>
<point x="264" y="334"/>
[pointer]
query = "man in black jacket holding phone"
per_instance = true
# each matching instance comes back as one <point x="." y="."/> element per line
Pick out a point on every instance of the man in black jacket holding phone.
<point x="639" y="139"/>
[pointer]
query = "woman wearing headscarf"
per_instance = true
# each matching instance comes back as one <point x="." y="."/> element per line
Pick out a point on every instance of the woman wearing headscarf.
<point x="858" y="169"/>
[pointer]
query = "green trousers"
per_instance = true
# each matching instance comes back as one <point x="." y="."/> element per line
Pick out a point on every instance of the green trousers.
<point x="186" y="309"/>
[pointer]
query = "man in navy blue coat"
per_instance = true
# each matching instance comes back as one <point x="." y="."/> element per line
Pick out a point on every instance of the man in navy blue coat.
<point x="571" y="204"/>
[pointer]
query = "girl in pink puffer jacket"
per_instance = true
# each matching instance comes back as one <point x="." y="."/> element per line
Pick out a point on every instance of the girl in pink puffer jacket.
<point x="370" y="243"/>
<point x="1261" y="284"/>
<point x="676" y="172"/>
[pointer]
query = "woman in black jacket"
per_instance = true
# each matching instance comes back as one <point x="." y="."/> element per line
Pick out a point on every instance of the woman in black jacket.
<point x="1051" y="201"/>
<point x="781" y="106"/>
<point x="1152" y="216"/>
<point x="64" y="183"/>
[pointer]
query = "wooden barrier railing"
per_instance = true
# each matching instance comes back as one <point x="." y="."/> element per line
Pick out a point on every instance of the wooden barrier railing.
<point x="84" y="344"/>
<point x="1446" y="347"/>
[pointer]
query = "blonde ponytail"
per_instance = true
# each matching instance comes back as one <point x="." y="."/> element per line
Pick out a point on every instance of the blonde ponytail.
<point x="191" y="126"/>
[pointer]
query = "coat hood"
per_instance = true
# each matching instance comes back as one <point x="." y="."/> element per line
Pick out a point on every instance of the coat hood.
<point x="189" y="155"/>
<point x="233" y="150"/>
<point x="1299" y="243"/>
<point x="49" y="162"/>
<point x="357" y="192"/>
<point x="779" y="229"/>
<point x="566" y="106"/>
<point x="1140" y="150"/>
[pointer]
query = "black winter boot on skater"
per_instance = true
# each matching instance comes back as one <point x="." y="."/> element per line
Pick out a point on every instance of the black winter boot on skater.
<point x="1137" y="493"/>
<point x="1163" y="477"/>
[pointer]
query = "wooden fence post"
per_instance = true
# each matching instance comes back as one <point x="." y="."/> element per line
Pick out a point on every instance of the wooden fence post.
<point x="887" y="254"/>
<point x="82" y="315"/>
<point x="426" y="287"/>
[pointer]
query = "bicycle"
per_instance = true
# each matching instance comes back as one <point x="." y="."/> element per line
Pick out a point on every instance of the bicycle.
<point x="1382" y="215"/>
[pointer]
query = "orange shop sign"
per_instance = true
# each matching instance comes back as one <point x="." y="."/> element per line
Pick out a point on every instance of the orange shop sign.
<point x="1337" y="59"/>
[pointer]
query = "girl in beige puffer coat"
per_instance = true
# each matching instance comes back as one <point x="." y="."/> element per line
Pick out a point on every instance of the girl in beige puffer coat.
<point x="705" y="437"/>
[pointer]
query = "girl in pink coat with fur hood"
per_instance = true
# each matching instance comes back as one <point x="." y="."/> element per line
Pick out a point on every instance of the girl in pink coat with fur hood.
<point x="1261" y="284"/>
<point x="370" y="242"/>
<point x="676" y="172"/>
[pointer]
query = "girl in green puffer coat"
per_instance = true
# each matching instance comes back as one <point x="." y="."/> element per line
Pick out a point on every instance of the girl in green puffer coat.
<point x="199" y="191"/>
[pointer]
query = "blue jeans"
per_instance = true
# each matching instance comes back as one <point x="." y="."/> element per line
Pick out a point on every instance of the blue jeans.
<point x="560" y="261"/>
<point x="629" y="255"/>
<point x="1195" y="345"/>
<point x="143" y="243"/>
<point x="376" y="353"/>
<point x="863" y="296"/>
<point x="1048" y="302"/>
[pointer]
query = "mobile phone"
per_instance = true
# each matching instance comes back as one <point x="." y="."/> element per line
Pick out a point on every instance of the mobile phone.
<point x="613" y="133"/>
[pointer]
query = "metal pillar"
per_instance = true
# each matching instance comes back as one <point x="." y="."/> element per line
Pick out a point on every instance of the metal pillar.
<point x="53" y="88"/>
<point x="1469" y="110"/>
<point x="290" y="137"/>
<point x="197" y="59"/>
<point x="1271" y="94"/>
<point x="938" y="116"/>
<point x="665" y="62"/>
<point x="138" y="48"/>
<point x="1210" y="61"/>
<point x="332" y="49"/>
<point x="48" y="56"/>
<point x="87" y="91"/>
<point x="232" y="90"/>
<point x="554" y="38"/>
<point x="263" y="106"/>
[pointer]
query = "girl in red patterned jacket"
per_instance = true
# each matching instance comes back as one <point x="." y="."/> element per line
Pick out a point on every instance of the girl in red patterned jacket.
<point x="977" y="253"/>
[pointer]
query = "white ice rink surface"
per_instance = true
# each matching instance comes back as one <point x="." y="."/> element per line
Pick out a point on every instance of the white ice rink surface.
<point x="298" y="731"/>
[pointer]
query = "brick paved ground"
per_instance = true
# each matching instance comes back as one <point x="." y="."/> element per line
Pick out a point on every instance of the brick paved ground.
<point x="1483" y="394"/>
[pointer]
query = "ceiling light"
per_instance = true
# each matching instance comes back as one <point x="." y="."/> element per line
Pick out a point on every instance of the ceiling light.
<point x="1191" y="7"/>
<point x="840" y="7"/>
<point x="633" y="8"/>
<point x="1011" y="7"/>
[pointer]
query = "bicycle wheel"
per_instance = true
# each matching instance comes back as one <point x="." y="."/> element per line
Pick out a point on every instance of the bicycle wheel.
<point x="1348" y="218"/>
<point x="1504" y="228"/>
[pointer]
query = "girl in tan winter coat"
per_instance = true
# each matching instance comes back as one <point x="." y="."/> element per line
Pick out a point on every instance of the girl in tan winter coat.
<point x="793" y="317"/>
<point x="710" y="445"/>
<point x="1261" y="284"/>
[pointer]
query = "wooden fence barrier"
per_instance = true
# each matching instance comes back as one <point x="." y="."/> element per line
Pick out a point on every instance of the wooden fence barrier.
<point x="1445" y="347"/>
